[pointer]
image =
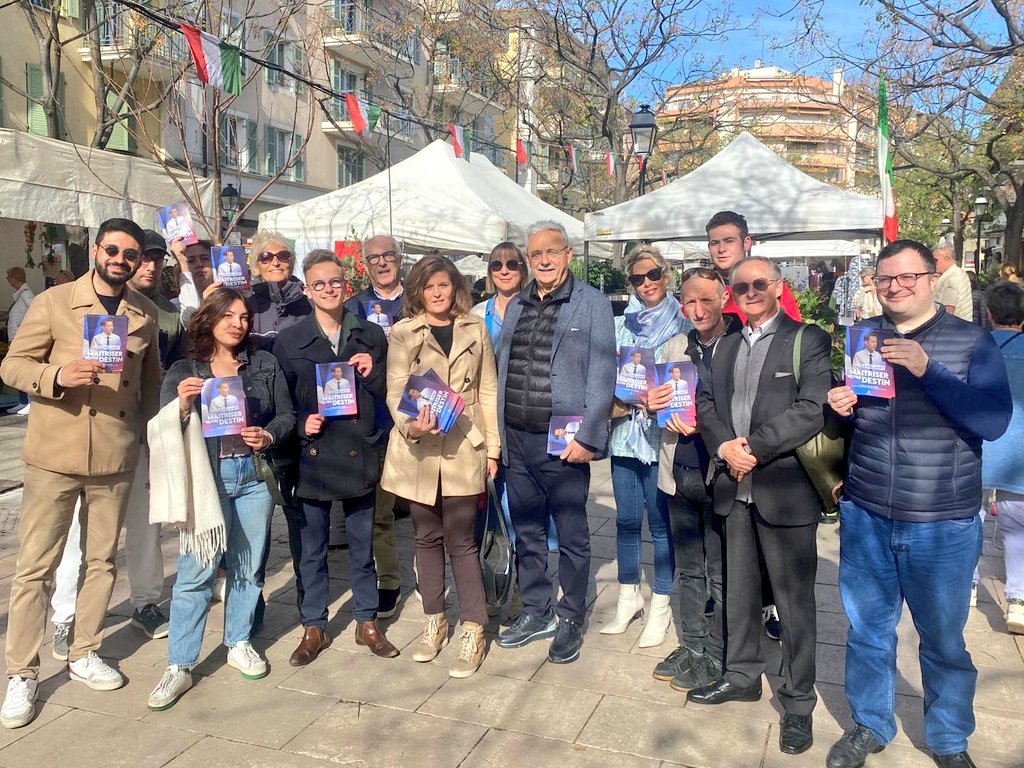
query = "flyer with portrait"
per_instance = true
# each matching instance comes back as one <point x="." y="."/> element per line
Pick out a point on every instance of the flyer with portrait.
<point x="336" y="389"/>
<point x="176" y="221"/>
<point x="562" y="431"/>
<point x="635" y="373"/>
<point x="222" y="406"/>
<point x="683" y="378"/>
<point x="376" y="315"/>
<point x="230" y="266"/>
<point x="105" y="339"/>
<point x="867" y="373"/>
<point x="428" y="389"/>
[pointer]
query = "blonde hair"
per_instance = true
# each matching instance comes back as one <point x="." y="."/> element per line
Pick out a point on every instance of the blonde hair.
<point x="504" y="252"/>
<point x="646" y="251"/>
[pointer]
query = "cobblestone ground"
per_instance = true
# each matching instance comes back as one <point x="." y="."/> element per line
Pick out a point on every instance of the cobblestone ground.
<point x="352" y="708"/>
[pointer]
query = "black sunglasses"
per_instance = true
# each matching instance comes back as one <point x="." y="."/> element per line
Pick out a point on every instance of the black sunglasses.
<point x="654" y="276"/>
<point x="760" y="285"/>
<point x="512" y="264"/>
<point x="129" y="253"/>
<point x="705" y="272"/>
<point x="268" y="256"/>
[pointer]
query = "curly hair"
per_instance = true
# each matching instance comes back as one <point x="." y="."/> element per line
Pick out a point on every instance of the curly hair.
<point x="200" y="326"/>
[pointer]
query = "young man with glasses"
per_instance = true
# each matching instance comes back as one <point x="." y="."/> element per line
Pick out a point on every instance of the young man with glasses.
<point x="754" y="410"/>
<point x="83" y="440"/>
<point x="910" y="527"/>
<point x="383" y="259"/>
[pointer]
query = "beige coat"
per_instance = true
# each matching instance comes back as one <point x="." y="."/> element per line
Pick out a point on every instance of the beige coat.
<point x="93" y="430"/>
<point x="412" y="468"/>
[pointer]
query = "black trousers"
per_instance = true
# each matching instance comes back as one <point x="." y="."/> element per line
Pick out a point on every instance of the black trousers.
<point x="791" y="560"/>
<point x="542" y="487"/>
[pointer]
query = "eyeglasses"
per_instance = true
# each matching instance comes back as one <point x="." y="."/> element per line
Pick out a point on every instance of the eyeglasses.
<point x="706" y="273"/>
<point x="906" y="280"/>
<point x="335" y="282"/>
<point x="760" y="285"/>
<point x="512" y="264"/>
<point x="376" y="258"/>
<point x="550" y="253"/>
<point x="654" y="276"/>
<point x="284" y="257"/>
<point x="129" y="253"/>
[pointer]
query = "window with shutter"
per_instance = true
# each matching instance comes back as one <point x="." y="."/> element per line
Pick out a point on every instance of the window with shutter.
<point x="251" y="158"/>
<point x="35" y="118"/>
<point x="271" y="151"/>
<point x="71" y="9"/>
<point x="120" y="135"/>
<point x="299" y="153"/>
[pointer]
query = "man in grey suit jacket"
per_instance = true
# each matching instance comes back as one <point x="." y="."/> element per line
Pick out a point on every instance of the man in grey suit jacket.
<point x="753" y="413"/>
<point x="556" y="358"/>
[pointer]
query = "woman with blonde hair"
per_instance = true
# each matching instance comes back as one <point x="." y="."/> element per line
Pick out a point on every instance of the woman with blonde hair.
<point x="442" y="475"/>
<point x="506" y="275"/>
<point x="1008" y="272"/>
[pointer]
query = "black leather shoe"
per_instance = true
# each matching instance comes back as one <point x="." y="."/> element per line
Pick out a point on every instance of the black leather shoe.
<point x="853" y="749"/>
<point x="956" y="760"/>
<point x="795" y="736"/>
<point x="565" y="647"/>
<point x="722" y="691"/>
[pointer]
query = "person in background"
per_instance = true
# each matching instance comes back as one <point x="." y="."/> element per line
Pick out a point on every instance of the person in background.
<point x="443" y="475"/>
<point x="195" y="274"/>
<point x="865" y="301"/>
<point x="23" y="296"/>
<point x="953" y="289"/>
<point x="651" y="318"/>
<point x="1008" y="272"/>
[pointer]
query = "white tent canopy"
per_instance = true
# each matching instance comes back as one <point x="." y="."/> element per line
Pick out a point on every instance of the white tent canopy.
<point x="777" y="200"/>
<point x="62" y="183"/>
<point x="472" y="266"/>
<point x="690" y="252"/>
<point x="431" y="200"/>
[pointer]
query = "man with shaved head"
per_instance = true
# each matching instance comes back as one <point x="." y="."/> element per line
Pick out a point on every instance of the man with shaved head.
<point x="953" y="290"/>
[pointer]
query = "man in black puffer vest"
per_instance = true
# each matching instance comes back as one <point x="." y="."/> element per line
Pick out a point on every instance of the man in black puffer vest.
<point x="909" y="517"/>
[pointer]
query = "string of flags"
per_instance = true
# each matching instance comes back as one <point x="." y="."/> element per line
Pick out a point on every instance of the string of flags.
<point x="525" y="151"/>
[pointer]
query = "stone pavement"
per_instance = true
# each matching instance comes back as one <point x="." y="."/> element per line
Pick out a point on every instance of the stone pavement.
<point x="352" y="708"/>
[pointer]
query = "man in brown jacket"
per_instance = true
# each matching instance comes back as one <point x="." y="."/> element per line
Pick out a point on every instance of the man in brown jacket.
<point x="82" y="441"/>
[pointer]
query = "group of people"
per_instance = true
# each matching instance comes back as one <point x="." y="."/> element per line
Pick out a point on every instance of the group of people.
<point x="731" y="509"/>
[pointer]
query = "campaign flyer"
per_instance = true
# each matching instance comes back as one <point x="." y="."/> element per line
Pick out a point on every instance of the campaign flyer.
<point x="336" y="389"/>
<point x="230" y="266"/>
<point x="105" y="339"/>
<point x="375" y="314"/>
<point x="222" y="403"/>
<point x="683" y="378"/>
<point x="428" y="389"/>
<point x="867" y="373"/>
<point x="176" y="221"/>
<point x="562" y="431"/>
<point x="635" y="373"/>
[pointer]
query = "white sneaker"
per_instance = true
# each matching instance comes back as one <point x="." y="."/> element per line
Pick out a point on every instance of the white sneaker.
<point x="23" y="411"/>
<point x="20" y="703"/>
<point x="246" y="660"/>
<point x="172" y="685"/>
<point x="96" y="673"/>
<point x="220" y="588"/>
<point x="1015" y="616"/>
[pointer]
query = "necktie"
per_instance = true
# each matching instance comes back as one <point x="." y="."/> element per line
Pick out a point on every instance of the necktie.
<point x="871" y="358"/>
<point x="634" y="370"/>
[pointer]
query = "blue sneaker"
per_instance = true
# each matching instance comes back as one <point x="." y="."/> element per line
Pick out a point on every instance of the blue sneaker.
<point x="526" y="628"/>
<point x="568" y="640"/>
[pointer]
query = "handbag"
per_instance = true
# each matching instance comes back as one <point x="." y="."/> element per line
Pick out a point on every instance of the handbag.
<point x="497" y="561"/>
<point x="823" y="457"/>
<point x="266" y="470"/>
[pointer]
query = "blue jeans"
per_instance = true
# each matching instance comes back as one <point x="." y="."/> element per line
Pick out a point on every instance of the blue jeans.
<point x="247" y="508"/>
<point x="929" y="565"/>
<point x="635" y="486"/>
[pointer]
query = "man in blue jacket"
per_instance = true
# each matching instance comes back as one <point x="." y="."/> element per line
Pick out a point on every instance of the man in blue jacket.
<point x="910" y="527"/>
<point x="556" y="359"/>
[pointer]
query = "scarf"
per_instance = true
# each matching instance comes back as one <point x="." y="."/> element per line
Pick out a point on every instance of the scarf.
<point x="652" y="326"/>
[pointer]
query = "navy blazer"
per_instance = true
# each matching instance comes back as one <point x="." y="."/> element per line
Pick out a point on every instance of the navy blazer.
<point x="582" y="363"/>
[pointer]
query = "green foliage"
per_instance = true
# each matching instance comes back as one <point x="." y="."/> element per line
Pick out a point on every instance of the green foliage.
<point x="602" y="275"/>
<point x="814" y="309"/>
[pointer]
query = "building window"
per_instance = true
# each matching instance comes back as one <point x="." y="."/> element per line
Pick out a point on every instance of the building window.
<point x="350" y="166"/>
<point x="343" y="81"/>
<point x="233" y="30"/>
<point x="284" y="149"/>
<point x="238" y="143"/>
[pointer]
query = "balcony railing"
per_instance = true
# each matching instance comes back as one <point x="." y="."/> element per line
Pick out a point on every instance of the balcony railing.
<point x="127" y="31"/>
<point x="451" y="71"/>
<point x="351" y="20"/>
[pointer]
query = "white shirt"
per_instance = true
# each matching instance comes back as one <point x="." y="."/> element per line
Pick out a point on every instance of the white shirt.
<point x="105" y="341"/>
<point x="866" y="359"/>
<point x="22" y="299"/>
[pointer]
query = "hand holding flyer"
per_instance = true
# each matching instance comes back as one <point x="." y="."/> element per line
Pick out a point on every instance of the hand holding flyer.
<point x="336" y="389"/>
<point x="223" y="406"/>
<point x="230" y="267"/>
<point x="428" y="390"/>
<point x="683" y="378"/>
<point x="105" y="339"/>
<point x="635" y="373"/>
<point x="867" y="372"/>
<point x="176" y="221"/>
<point x="562" y="431"/>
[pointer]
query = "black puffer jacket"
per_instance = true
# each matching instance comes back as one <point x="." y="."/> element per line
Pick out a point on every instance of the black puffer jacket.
<point x="276" y="306"/>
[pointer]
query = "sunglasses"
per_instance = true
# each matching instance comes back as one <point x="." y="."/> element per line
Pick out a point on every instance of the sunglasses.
<point x="284" y="257"/>
<point x="512" y="264"/>
<point x="760" y="285"/>
<point x="654" y="276"/>
<point x="112" y="250"/>
<point x="705" y="272"/>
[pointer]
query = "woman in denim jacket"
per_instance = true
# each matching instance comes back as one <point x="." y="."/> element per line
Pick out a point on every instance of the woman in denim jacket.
<point x="220" y="345"/>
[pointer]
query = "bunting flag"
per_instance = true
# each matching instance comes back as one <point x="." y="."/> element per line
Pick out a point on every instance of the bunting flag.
<point x="522" y="156"/>
<point x="890" y="224"/>
<point x="217" y="63"/>
<point x="664" y="178"/>
<point x="458" y="135"/>
<point x="364" y="117"/>
<point x="609" y="163"/>
<point x="571" y="152"/>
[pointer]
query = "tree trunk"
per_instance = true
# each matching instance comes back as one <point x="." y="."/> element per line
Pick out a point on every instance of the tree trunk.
<point x="1012" y="235"/>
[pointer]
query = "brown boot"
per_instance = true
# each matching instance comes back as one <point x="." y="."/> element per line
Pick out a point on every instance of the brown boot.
<point x="313" y="641"/>
<point x="368" y="634"/>
<point x="471" y="650"/>
<point x="435" y="636"/>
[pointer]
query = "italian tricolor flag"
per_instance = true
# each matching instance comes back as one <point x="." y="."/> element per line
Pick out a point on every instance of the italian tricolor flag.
<point x="571" y="152"/>
<point x="522" y="156"/>
<point x="890" y="224"/>
<point x="609" y="163"/>
<point x="363" y="116"/>
<point x="217" y="63"/>
<point x="460" y="139"/>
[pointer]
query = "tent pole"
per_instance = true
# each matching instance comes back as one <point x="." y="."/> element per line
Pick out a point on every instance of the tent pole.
<point x="586" y="262"/>
<point x="387" y="159"/>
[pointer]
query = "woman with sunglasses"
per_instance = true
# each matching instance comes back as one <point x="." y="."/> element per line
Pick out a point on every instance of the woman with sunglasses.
<point x="220" y="342"/>
<point x="278" y="299"/>
<point x="506" y="274"/>
<point x="651" y="318"/>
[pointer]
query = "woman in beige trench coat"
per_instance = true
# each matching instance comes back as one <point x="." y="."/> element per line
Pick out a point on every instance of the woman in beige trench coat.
<point x="443" y="475"/>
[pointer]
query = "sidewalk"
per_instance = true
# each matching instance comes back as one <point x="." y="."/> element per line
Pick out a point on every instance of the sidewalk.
<point x="352" y="708"/>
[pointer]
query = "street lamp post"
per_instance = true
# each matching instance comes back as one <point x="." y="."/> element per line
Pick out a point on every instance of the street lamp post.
<point x="979" y="208"/>
<point x="645" y="132"/>
<point x="229" y="200"/>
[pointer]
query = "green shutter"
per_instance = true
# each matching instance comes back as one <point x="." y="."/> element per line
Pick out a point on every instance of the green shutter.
<point x="298" y="67"/>
<point x="119" y="138"/>
<point x="222" y="142"/>
<point x="252" y="164"/>
<point x="271" y="49"/>
<point x="71" y="9"/>
<point x="298" y="152"/>
<point x="35" y="118"/>
<point x="271" y="165"/>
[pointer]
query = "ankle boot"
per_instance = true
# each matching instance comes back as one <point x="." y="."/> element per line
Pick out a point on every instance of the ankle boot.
<point x="657" y="622"/>
<point x="370" y="635"/>
<point x="630" y="606"/>
<point x="435" y="637"/>
<point x="471" y="651"/>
